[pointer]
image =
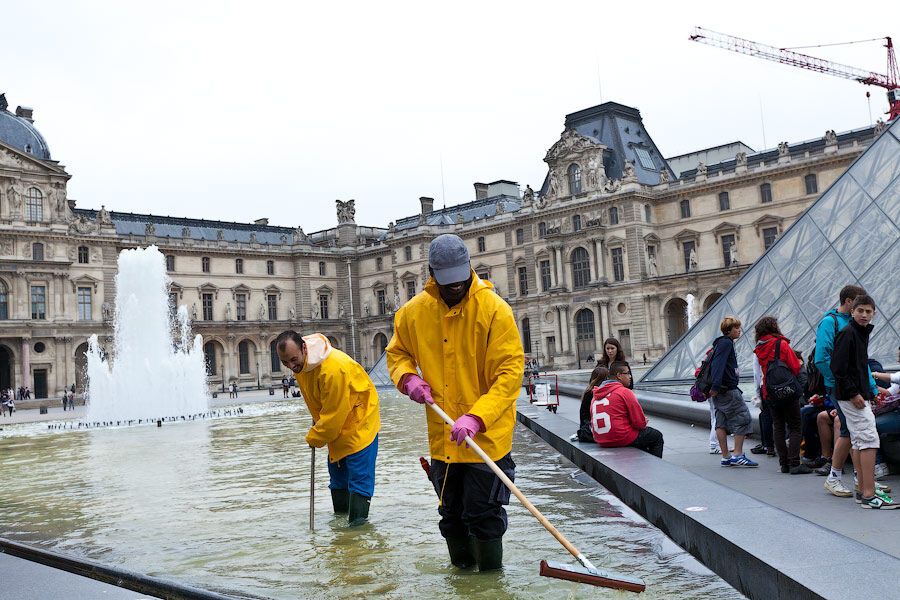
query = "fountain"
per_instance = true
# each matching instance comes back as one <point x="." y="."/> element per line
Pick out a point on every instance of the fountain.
<point x="153" y="374"/>
<point x="690" y="309"/>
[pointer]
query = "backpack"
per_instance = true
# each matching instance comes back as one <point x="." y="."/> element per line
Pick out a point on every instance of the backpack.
<point x="703" y="378"/>
<point x="815" y="382"/>
<point x="780" y="383"/>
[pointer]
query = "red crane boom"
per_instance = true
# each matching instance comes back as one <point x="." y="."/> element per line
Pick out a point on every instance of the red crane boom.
<point x="803" y="61"/>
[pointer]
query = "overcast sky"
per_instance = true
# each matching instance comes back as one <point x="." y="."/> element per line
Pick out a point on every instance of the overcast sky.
<point x="242" y="110"/>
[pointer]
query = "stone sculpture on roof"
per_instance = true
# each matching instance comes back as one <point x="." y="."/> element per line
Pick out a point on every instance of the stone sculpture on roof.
<point x="879" y="126"/>
<point x="346" y="211"/>
<point x="553" y="185"/>
<point x="528" y="195"/>
<point x="103" y="217"/>
<point x="186" y="232"/>
<point x="220" y="235"/>
<point x="299" y="236"/>
<point x="253" y="237"/>
<point x="701" y="169"/>
<point x="81" y="224"/>
<point x="783" y="149"/>
<point x="149" y="229"/>
<point x="664" y="175"/>
<point x="740" y="159"/>
<point x="62" y="205"/>
<point x="628" y="174"/>
<point x="570" y="143"/>
<point x="830" y="138"/>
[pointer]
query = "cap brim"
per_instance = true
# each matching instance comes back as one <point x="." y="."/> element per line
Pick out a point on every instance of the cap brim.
<point x="452" y="274"/>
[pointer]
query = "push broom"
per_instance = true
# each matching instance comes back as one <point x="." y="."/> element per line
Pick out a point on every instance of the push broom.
<point x="587" y="572"/>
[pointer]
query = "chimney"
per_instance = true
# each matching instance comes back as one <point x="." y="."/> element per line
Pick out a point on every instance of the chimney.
<point x="25" y="112"/>
<point x="427" y="204"/>
<point x="261" y="222"/>
<point x="481" y="191"/>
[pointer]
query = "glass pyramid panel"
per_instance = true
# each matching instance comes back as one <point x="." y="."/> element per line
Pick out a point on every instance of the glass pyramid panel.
<point x="379" y="373"/>
<point x="851" y="234"/>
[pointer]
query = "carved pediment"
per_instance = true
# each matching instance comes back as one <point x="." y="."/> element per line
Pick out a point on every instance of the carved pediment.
<point x="687" y="234"/>
<point x="651" y="238"/>
<point x="324" y="289"/>
<point x="85" y="281"/>
<point x="239" y="289"/>
<point x="273" y="289"/>
<point x="209" y="288"/>
<point x="570" y="143"/>
<point x="726" y="227"/>
<point x="177" y="289"/>
<point x="615" y="240"/>
<point x="14" y="158"/>
<point x="768" y="220"/>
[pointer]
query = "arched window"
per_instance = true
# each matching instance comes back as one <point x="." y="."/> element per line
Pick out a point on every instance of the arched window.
<point x="209" y="351"/>
<point x="204" y="264"/>
<point x="273" y="357"/>
<point x="37" y="251"/>
<point x="4" y="301"/>
<point x="83" y="256"/>
<point x="581" y="268"/>
<point x="34" y="205"/>
<point x="613" y="215"/>
<point x="574" y="174"/>
<point x="526" y="335"/>
<point x="244" y="357"/>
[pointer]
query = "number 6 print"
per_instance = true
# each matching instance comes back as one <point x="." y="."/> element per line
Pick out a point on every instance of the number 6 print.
<point x="600" y="422"/>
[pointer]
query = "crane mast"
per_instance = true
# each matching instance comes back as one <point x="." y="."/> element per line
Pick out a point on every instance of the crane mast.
<point x="811" y="63"/>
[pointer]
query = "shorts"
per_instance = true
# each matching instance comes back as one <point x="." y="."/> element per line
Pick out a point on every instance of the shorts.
<point x="861" y="423"/>
<point x="845" y="433"/>
<point x="732" y="413"/>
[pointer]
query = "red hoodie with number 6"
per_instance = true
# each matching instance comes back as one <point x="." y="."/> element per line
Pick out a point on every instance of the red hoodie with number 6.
<point x="616" y="416"/>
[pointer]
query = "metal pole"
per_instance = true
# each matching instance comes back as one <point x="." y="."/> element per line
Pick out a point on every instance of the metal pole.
<point x="312" y="489"/>
<point x="352" y="318"/>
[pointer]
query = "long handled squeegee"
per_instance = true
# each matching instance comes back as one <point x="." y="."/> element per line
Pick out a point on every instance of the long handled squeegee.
<point x="587" y="572"/>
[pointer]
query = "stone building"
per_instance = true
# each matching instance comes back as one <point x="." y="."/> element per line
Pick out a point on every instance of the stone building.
<point x="612" y="243"/>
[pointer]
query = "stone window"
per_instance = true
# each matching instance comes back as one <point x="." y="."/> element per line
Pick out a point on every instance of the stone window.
<point x="765" y="193"/>
<point x="581" y="268"/>
<point x="542" y="229"/>
<point x="520" y="236"/>
<point x="322" y="268"/>
<point x="727" y="242"/>
<point x="481" y="245"/>
<point x="613" y="215"/>
<point x="523" y="281"/>
<point x="209" y="351"/>
<point x="84" y="304"/>
<point x="244" y="357"/>
<point x="574" y="175"/>
<point x="170" y="262"/>
<point x="551" y="345"/>
<point x="207" y="302"/>
<point x="270" y="267"/>
<point x="526" y="335"/>
<point x="204" y="264"/>
<point x="241" y="302"/>
<point x="379" y="264"/>
<point x="686" y="247"/>
<point x="83" y="256"/>
<point x="34" y="205"/>
<point x="410" y="288"/>
<point x="576" y="222"/>
<point x="37" y="251"/>
<point x="644" y="158"/>
<point x="812" y="183"/>
<point x="407" y="252"/>
<point x="381" y="301"/>
<point x="274" y="361"/>
<point x="4" y="301"/>
<point x="618" y="264"/>
<point x="38" y="302"/>
<point x="239" y="266"/>
<point x="685" y="206"/>
<point x="648" y="215"/>
<point x="545" y="275"/>
<point x="323" y="305"/>
<point x="272" y="303"/>
<point x="724" y="201"/>
<point x="770" y="234"/>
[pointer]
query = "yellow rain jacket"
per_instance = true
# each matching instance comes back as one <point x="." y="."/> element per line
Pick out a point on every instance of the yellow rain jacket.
<point x="472" y="358"/>
<point x="341" y="398"/>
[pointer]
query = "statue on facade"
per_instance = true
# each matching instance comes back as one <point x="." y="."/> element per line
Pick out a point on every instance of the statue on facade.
<point x="879" y="126"/>
<point x="314" y="311"/>
<point x="732" y="255"/>
<point x="103" y="217"/>
<point x="283" y="239"/>
<point x="628" y="173"/>
<point x="528" y="195"/>
<point x="194" y="311"/>
<point x="106" y="311"/>
<point x="220" y="235"/>
<point x="701" y="169"/>
<point x="740" y="159"/>
<point x="149" y="229"/>
<point x="261" y="312"/>
<point x="185" y="232"/>
<point x="664" y="175"/>
<point x="830" y="138"/>
<point x="292" y="314"/>
<point x="346" y="211"/>
<point x="81" y="224"/>
<point x="652" y="268"/>
<point x="553" y="185"/>
<point x="299" y="236"/>
<point x="62" y="204"/>
<point x="783" y="149"/>
<point x="593" y="174"/>
<point x="341" y="311"/>
<point x="252" y="237"/>
<point x="397" y="303"/>
<point x="692" y="260"/>
<point x="460" y="219"/>
<point x="499" y="208"/>
<point x="366" y="309"/>
<point x="15" y="200"/>
<point x="612" y="186"/>
<point x="228" y="311"/>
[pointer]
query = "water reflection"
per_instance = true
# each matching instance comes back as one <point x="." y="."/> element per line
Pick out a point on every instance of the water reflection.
<point x="223" y="504"/>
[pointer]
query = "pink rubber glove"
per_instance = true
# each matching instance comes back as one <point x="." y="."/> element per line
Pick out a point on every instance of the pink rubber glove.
<point x="417" y="389"/>
<point x="466" y="425"/>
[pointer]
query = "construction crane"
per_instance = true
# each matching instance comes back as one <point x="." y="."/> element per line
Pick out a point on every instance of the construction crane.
<point x="803" y="61"/>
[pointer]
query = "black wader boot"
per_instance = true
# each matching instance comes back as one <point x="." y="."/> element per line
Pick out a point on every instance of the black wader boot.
<point x="358" y="509"/>
<point x="340" y="499"/>
<point x="489" y="554"/>
<point x="461" y="551"/>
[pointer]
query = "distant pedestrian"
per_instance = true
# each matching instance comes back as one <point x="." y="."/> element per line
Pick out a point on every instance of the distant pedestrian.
<point x="285" y="386"/>
<point x="645" y="358"/>
<point x="65" y="400"/>
<point x="71" y="400"/>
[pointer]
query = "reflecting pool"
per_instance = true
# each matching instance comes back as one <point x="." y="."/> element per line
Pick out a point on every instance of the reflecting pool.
<point x="224" y="504"/>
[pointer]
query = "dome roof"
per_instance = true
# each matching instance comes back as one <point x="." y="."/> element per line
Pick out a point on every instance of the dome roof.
<point x="18" y="130"/>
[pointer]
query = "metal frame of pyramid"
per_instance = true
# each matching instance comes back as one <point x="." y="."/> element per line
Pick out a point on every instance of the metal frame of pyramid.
<point x="379" y="373"/>
<point x="850" y="235"/>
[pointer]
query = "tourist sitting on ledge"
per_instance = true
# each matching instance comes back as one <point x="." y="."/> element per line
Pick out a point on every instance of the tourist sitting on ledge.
<point x="617" y="420"/>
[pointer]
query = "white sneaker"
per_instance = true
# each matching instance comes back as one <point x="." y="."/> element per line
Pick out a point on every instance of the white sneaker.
<point x="881" y="470"/>
<point x="715" y="450"/>
<point x="836" y="487"/>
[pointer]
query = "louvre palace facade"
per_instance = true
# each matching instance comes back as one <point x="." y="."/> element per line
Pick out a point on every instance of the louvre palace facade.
<point x="616" y="241"/>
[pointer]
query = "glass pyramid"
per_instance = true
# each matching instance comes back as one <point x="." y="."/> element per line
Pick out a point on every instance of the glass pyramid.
<point x="850" y="235"/>
<point x="379" y="373"/>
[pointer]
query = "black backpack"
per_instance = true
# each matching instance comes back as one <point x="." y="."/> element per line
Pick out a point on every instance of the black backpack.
<point x="781" y="384"/>
<point x="815" y="382"/>
<point x="703" y="378"/>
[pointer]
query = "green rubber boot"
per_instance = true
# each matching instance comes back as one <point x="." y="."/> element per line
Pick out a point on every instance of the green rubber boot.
<point x="358" y="509"/>
<point x="489" y="554"/>
<point x="340" y="499"/>
<point x="461" y="551"/>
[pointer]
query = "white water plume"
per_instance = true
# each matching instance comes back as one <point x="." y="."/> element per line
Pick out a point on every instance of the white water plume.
<point x="156" y="369"/>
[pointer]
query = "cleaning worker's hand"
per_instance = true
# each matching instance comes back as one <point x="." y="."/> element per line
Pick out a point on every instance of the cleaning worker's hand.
<point x="417" y="389"/>
<point x="466" y="425"/>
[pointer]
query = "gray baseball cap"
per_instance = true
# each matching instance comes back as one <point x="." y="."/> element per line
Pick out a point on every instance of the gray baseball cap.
<point x="448" y="257"/>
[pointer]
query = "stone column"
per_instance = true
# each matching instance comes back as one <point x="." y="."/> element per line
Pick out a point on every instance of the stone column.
<point x="598" y="253"/>
<point x="572" y="334"/>
<point x="26" y="364"/>
<point x="604" y="310"/>
<point x="603" y="277"/>
<point x="557" y="269"/>
<point x="598" y="327"/>
<point x="649" y="322"/>
<point x="559" y="328"/>
<point x="563" y="279"/>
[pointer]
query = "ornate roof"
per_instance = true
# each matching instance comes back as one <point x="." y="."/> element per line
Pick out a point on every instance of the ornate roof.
<point x="20" y="132"/>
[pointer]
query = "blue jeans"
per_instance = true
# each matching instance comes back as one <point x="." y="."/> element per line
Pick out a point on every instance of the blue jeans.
<point x="355" y="472"/>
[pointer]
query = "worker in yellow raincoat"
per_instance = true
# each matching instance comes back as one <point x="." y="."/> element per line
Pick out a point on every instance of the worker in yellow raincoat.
<point x="463" y="339"/>
<point x="344" y="406"/>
